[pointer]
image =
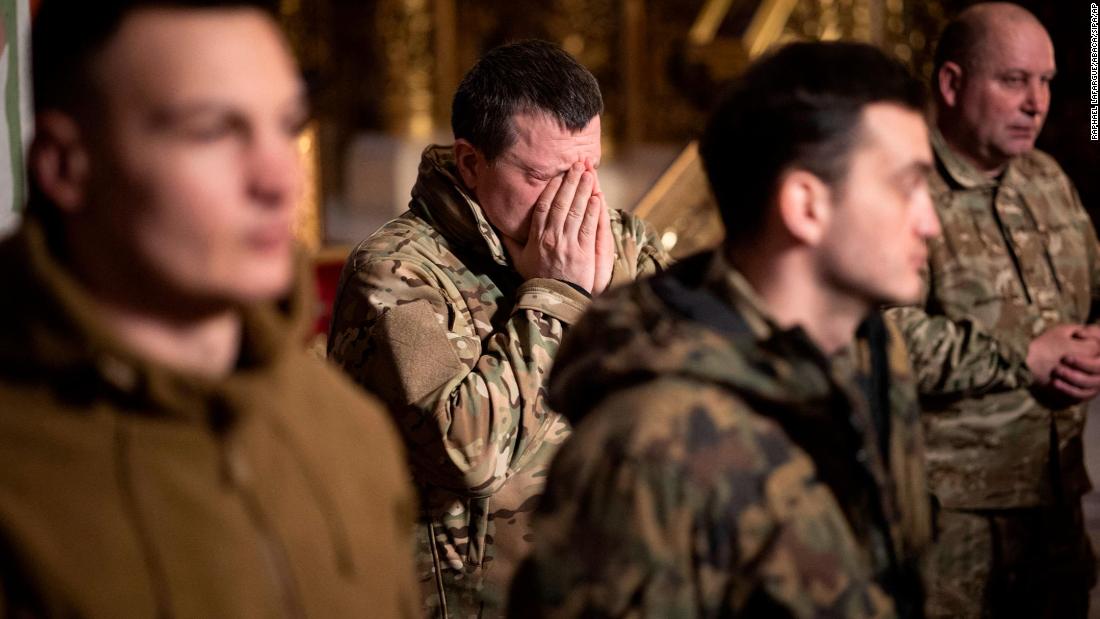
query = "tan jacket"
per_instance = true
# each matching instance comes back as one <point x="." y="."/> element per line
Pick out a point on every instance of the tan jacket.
<point x="128" y="489"/>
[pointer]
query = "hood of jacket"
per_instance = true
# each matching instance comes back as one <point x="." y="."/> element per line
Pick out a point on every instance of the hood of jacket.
<point x="51" y="332"/>
<point x="620" y="344"/>
<point x="440" y="198"/>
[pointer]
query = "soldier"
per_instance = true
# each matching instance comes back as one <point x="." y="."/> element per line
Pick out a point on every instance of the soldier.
<point x="167" y="447"/>
<point x="1002" y="359"/>
<point x="453" y="311"/>
<point x="747" y="440"/>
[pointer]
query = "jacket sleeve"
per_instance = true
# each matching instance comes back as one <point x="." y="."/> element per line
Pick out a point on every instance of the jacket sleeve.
<point x="640" y="252"/>
<point x="957" y="358"/>
<point x="699" y="518"/>
<point x="471" y="410"/>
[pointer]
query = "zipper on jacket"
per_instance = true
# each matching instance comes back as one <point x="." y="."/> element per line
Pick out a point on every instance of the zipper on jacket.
<point x="271" y="547"/>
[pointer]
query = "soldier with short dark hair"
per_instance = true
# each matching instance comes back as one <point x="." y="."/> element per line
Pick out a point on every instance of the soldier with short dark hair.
<point x="453" y="311"/>
<point x="1000" y="344"/>
<point x="747" y="440"/>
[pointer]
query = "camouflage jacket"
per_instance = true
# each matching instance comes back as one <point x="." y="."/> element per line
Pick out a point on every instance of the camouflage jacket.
<point x="1017" y="256"/>
<point x="430" y="315"/>
<point x="721" y="466"/>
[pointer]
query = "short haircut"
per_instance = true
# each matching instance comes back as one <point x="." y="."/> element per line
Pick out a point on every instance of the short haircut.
<point x="528" y="76"/>
<point x="68" y="35"/>
<point x="959" y="43"/>
<point x="798" y="107"/>
<point x="965" y="37"/>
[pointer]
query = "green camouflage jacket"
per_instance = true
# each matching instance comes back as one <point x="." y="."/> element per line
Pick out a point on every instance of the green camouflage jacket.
<point x="430" y="315"/>
<point x="721" y="466"/>
<point x="1017" y="256"/>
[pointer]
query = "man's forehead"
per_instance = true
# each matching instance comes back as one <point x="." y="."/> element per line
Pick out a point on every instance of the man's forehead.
<point x="169" y="55"/>
<point x="541" y="140"/>
<point x="1016" y="44"/>
<point x="894" y="134"/>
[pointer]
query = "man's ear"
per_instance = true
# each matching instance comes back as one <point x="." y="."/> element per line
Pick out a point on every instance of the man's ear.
<point x="469" y="161"/>
<point x="804" y="206"/>
<point x="58" y="160"/>
<point x="949" y="82"/>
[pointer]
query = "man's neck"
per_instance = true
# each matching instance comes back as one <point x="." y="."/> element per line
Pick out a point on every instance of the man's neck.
<point x="794" y="294"/>
<point x="208" y="346"/>
<point x="203" y="338"/>
<point x="989" y="167"/>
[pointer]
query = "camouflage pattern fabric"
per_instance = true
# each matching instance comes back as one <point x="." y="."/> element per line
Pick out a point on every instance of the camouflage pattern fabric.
<point x="715" y="473"/>
<point x="430" y="315"/>
<point x="1018" y="255"/>
<point x="1031" y="562"/>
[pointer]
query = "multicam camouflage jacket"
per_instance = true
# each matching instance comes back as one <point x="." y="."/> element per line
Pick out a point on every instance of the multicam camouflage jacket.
<point x="721" y="466"/>
<point x="1017" y="256"/>
<point x="431" y="315"/>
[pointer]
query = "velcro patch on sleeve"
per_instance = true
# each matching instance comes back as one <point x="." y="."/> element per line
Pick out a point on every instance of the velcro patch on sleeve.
<point x="422" y="357"/>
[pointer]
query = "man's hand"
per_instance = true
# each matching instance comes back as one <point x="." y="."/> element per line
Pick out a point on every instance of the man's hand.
<point x="1066" y="358"/>
<point x="564" y="240"/>
<point x="605" y="243"/>
<point x="1078" y="376"/>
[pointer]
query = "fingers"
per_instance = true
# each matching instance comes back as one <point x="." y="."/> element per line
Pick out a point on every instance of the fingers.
<point x="575" y="218"/>
<point x="591" y="221"/>
<point x="541" y="211"/>
<point x="1091" y="332"/>
<point x="1076" y="378"/>
<point x="1081" y="363"/>
<point x="563" y="199"/>
<point x="605" y="249"/>
<point x="1072" y="391"/>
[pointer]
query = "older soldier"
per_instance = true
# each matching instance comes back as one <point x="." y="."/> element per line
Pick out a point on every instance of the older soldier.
<point x="453" y="312"/>
<point x="747" y="440"/>
<point x="997" y="345"/>
<point x="167" y="447"/>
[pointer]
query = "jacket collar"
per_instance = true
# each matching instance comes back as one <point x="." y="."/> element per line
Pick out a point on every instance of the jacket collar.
<point x="440" y="197"/>
<point x="53" y="333"/>
<point x="962" y="173"/>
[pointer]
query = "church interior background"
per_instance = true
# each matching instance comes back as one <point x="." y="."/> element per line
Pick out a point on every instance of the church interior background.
<point x="383" y="73"/>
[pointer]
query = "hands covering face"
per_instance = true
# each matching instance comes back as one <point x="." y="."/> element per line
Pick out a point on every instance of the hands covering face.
<point x="570" y="233"/>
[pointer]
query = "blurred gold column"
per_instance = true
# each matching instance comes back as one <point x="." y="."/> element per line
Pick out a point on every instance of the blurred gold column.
<point x="307" y="216"/>
<point x="311" y="50"/>
<point x="407" y="31"/>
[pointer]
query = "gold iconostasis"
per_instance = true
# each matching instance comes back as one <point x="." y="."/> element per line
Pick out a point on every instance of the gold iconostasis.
<point x="382" y="74"/>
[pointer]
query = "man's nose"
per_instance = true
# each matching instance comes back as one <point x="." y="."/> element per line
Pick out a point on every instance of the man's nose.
<point x="1037" y="98"/>
<point x="927" y="221"/>
<point x="274" y="171"/>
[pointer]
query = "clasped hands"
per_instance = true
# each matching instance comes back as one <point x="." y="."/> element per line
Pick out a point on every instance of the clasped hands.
<point x="1066" y="359"/>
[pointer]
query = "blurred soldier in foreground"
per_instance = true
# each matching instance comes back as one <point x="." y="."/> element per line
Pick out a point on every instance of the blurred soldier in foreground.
<point x="747" y="440"/>
<point x="1003" y="362"/>
<point x="453" y="312"/>
<point x="167" y="449"/>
